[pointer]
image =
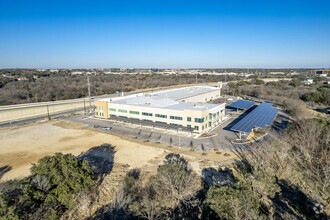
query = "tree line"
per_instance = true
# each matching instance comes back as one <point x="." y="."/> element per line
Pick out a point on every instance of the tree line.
<point x="63" y="86"/>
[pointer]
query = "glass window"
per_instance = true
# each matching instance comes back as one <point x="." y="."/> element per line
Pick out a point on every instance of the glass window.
<point x="161" y="116"/>
<point x="196" y="128"/>
<point x="199" y="120"/>
<point x="146" y="114"/>
<point x="134" y="112"/>
<point x="122" y="110"/>
<point x="175" y="117"/>
<point x="188" y="118"/>
<point x="112" y="109"/>
<point x="96" y="113"/>
<point x="188" y="126"/>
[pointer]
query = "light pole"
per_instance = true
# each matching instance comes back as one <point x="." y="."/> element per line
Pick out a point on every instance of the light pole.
<point x="179" y="138"/>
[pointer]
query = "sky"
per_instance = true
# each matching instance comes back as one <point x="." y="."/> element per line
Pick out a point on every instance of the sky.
<point x="164" y="34"/>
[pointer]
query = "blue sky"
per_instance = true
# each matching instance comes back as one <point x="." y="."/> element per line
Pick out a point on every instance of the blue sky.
<point x="164" y="34"/>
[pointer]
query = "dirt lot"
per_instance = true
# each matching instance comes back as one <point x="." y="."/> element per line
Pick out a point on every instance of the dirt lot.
<point x="22" y="145"/>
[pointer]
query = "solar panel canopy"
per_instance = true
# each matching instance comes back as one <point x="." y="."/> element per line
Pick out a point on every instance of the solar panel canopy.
<point x="241" y="104"/>
<point x="261" y="116"/>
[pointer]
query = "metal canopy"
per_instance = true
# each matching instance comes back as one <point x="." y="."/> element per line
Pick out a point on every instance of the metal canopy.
<point x="261" y="116"/>
<point x="241" y="104"/>
<point x="150" y="123"/>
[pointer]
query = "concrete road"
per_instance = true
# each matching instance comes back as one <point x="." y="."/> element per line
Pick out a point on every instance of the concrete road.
<point x="22" y="112"/>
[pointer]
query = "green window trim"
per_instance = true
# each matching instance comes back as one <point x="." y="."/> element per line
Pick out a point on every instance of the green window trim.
<point x="112" y="109"/>
<point x="134" y="112"/>
<point x="122" y="110"/>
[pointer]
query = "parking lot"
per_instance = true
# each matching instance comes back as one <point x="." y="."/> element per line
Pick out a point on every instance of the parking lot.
<point x="221" y="138"/>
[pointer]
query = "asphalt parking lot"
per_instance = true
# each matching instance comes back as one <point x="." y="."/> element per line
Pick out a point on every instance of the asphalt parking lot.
<point x="221" y="140"/>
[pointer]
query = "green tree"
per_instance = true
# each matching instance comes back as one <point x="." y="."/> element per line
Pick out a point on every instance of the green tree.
<point x="224" y="202"/>
<point x="66" y="175"/>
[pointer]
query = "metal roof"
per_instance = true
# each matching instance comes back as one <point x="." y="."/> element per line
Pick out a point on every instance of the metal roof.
<point x="185" y="92"/>
<point x="168" y="99"/>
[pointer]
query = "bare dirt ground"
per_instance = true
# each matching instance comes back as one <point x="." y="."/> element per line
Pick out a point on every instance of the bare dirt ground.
<point x="22" y="145"/>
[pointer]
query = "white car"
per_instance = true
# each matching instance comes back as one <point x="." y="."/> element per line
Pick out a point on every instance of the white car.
<point x="106" y="128"/>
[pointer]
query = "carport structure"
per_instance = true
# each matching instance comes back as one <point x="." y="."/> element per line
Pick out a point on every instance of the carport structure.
<point x="263" y="115"/>
<point x="152" y="124"/>
<point x="241" y="104"/>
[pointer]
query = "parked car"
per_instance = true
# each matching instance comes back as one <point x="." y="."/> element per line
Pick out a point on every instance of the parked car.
<point x="106" y="128"/>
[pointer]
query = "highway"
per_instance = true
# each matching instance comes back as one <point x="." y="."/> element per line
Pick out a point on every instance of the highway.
<point x="30" y="112"/>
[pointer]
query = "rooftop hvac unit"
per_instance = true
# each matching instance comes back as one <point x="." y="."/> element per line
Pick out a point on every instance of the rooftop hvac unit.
<point x="199" y="104"/>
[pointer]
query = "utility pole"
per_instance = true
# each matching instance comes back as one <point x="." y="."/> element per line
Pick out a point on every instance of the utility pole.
<point x="196" y="78"/>
<point x="47" y="111"/>
<point x="89" y="94"/>
<point x="226" y="88"/>
<point x="179" y="138"/>
<point x="84" y="108"/>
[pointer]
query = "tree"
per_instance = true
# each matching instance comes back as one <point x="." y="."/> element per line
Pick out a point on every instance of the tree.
<point x="171" y="141"/>
<point x="228" y="203"/>
<point x="191" y="145"/>
<point x="51" y="189"/>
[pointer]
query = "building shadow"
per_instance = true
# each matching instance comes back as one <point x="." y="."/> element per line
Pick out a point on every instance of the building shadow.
<point x="292" y="198"/>
<point x="101" y="158"/>
<point x="4" y="170"/>
<point x="281" y="123"/>
<point x="213" y="177"/>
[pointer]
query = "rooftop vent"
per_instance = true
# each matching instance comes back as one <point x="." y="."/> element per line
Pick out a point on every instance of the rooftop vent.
<point x="199" y="105"/>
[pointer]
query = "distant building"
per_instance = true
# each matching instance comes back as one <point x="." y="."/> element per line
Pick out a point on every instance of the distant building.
<point x="276" y="73"/>
<point x="308" y="81"/>
<point x="322" y="72"/>
<point x="77" y="73"/>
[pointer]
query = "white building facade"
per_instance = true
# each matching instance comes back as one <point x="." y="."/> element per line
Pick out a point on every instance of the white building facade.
<point x="184" y="106"/>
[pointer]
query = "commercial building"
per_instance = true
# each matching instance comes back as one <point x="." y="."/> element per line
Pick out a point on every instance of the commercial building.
<point x="321" y="72"/>
<point x="185" y="107"/>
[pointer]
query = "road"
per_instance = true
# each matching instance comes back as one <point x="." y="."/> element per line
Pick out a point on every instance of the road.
<point x="34" y="111"/>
